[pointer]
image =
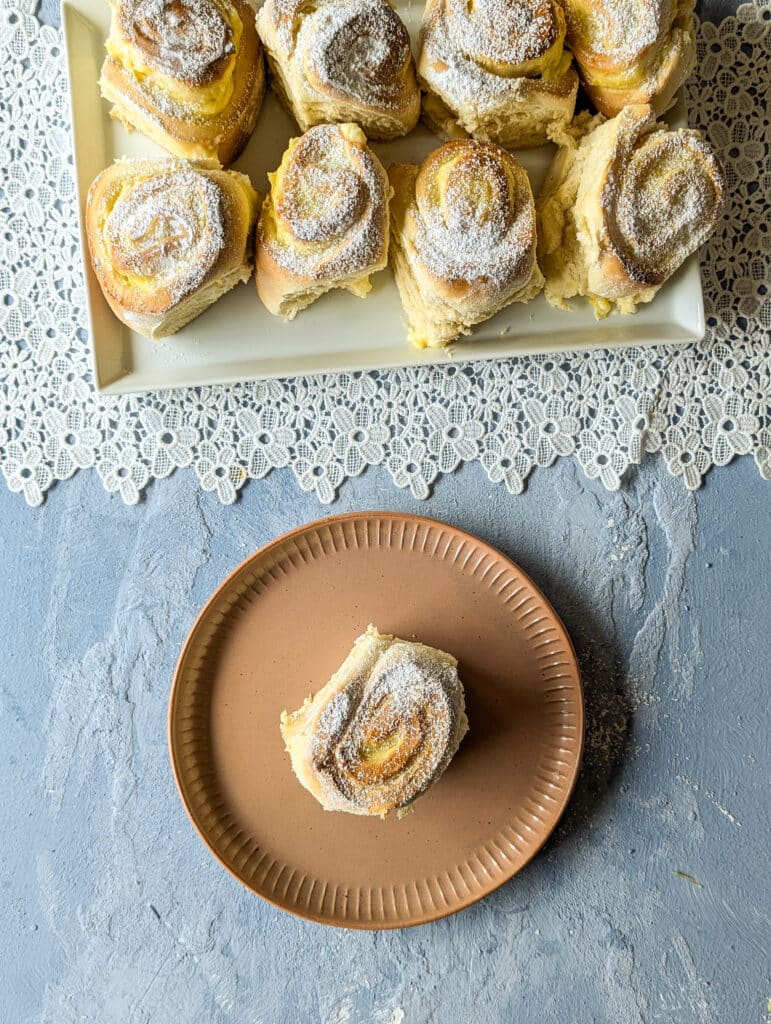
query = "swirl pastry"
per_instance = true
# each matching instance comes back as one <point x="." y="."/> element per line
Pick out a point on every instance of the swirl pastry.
<point x="324" y="223"/>
<point x="382" y="730"/>
<point x="463" y="239"/>
<point x="342" y="60"/>
<point x="631" y="52"/>
<point x="624" y="203"/>
<point x="496" y="70"/>
<point x="168" y="239"/>
<point x="188" y="74"/>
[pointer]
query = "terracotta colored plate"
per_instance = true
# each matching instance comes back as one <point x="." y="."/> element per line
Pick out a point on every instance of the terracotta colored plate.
<point x="276" y="630"/>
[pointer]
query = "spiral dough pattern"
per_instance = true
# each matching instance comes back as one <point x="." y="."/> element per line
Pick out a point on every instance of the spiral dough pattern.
<point x="503" y="36"/>
<point x="188" y="40"/>
<point x="168" y="228"/>
<point x="476" y="216"/>
<point x="661" y="201"/>
<point x="329" y="197"/>
<point x="357" y="49"/>
<point x="382" y="740"/>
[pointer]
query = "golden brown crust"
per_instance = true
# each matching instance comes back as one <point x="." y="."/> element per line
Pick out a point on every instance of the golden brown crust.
<point x="164" y="237"/>
<point x="625" y="202"/>
<point x="496" y="70"/>
<point x="463" y="239"/>
<point x="631" y="53"/>
<point x="189" y="74"/>
<point x="324" y="222"/>
<point x="342" y="61"/>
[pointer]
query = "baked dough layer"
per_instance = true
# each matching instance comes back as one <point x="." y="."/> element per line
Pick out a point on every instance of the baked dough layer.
<point x="167" y="239"/>
<point x="625" y="202"/>
<point x="189" y="75"/>
<point x="631" y="52"/>
<point x="463" y="239"/>
<point x="324" y="222"/>
<point x="496" y="70"/>
<point x="336" y="61"/>
<point x="383" y="729"/>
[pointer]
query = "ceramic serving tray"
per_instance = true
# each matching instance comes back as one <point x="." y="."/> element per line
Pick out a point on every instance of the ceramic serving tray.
<point x="237" y="339"/>
<point x="278" y="628"/>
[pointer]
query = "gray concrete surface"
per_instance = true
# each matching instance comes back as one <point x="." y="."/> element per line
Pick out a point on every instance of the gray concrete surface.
<point x="649" y="904"/>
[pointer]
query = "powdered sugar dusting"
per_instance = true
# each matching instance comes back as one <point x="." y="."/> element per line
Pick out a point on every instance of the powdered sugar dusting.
<point x="476" y="219"/>
<point x="471" y="49"/>
<point x="316" y="202"/>
<point x="186" y="39"/>
<point x="620" y="29"/>
<point x="389" y="735"/>
<point x="663" y="202"/>
<point x="166" y="226"/>
<point x="357" y="48"/>
<point x="333" y="719"/>
<point x="510" y="32"/>
<point x="332" y="193"/>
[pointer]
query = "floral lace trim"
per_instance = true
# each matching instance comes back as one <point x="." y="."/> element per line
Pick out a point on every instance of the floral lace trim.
<point x="698" y="405"/>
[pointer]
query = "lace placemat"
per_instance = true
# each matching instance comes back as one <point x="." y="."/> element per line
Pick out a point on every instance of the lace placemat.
<point x="697" y="405"/>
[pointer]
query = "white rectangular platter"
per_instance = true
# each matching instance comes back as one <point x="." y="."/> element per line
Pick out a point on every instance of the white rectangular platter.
<point x="237" y="339"/>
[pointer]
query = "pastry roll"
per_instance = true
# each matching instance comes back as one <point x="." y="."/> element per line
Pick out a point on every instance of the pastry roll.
<point x="342" y="60"/>
<point x="382" y="730"/>
<point x="463" y="239"/>
<point x="324" y="222"/>
<point x="188" y="74"/>
<point x="496" y="70"/>
<point x="168" y="239"/>
<point x="624" y="203"/>
<point x="631" y="52"/>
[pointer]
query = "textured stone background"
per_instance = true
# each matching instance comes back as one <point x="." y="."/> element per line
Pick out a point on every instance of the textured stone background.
<point x="649" y="904"/>
<point x="115" y="912"/>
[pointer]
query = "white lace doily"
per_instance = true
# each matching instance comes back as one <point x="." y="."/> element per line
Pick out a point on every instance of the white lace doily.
<point x="698" y="405"/>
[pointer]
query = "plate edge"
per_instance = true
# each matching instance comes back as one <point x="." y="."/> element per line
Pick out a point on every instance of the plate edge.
<point x="187" y="643"/>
